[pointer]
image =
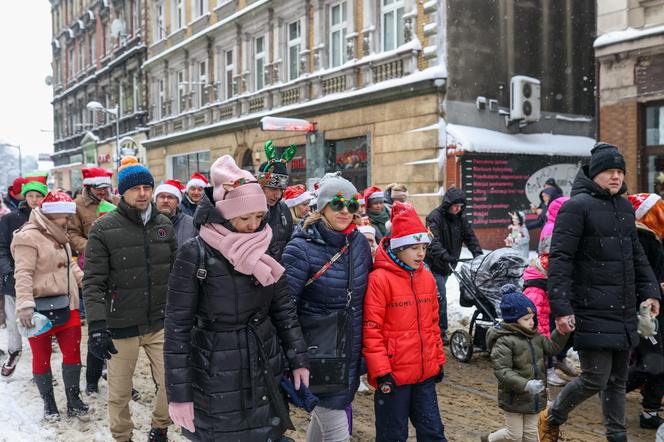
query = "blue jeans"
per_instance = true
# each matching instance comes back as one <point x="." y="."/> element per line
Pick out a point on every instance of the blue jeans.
<point x="417" y="402"/>
<point x="442" y="300"/>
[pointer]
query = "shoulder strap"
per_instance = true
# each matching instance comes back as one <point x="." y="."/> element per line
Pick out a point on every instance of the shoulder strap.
<point x="327" y="265"/>
<point x="201" y="272"/>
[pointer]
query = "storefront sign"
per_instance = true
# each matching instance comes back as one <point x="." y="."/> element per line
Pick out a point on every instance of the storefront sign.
<point x="497" y="184"/>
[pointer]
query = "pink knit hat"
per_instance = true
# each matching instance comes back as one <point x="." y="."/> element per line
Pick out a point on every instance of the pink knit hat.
<point x="236" y="191"/>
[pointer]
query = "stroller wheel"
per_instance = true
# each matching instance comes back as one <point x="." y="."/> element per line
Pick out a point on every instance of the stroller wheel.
<point x="461" y="345"/>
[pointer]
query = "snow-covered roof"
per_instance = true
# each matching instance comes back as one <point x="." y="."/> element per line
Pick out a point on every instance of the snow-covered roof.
<point x="475" y="139"/>
<point x="628" y="34"/>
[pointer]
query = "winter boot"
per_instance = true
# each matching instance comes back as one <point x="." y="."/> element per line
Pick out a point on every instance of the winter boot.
<point x="10" y="364"/>
<point x="91" y="388"/>
<point x="71" y="376"/>
<point x="650" y="420"/>
<point x="158" y="435"/>
<point x="44" y="384"/>
<point x="547" y="431"/>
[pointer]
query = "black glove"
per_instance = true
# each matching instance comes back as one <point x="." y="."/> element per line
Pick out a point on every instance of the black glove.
<point x="101" y="345"/>
<point x="440" y="376"/>
<point x="386" y="383"/>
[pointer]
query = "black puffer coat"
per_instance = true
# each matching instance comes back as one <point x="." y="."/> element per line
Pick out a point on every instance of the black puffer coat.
<point x="280" y="220"/>
<point x="597" y="268"/>
<point x="450" y="232"/>
<point x="8" y="225"/>
<point x="309" y="250"/>
<point x="212" y="349"/>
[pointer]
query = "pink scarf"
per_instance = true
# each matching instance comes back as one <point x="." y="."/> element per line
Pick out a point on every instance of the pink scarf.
<point x="245" y="251"/>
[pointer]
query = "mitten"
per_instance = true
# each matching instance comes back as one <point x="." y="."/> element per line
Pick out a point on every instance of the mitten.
<point x="534" y="386"/>
<point x="386" y="383"/>
<point x="101" y="345"/>
<point x="182" y="414"/>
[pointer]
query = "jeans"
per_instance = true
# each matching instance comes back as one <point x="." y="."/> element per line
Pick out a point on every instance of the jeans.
<point x="328" y="425"/>
<point x="442" y="300"/>
<point x="14" y="340"/>
<point x="417" y="402"/>
<point x="603" y="372"/>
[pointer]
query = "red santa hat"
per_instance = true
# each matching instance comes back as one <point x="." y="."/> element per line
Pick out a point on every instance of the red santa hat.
<point x="643" y="202"/>
<point x="407" y="228"/>
<point x="58" y="203"/>
<point x="174" y="187"/>
<point x="366" y="227"/>
<point x="296" y="195"/>
<point x="373" y="193"/>
<point x="198" y="179"/>
<point x="96" y="177"/>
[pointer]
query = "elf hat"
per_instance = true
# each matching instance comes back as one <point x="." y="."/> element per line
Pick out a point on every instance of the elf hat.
<point x="57" y="202"/>
<point x="198" y="180"/>
<point x="17" y="185"/>
<point x="643" y="202"/>
<point x="36" y="186"/>
<point x="296" y="195"/>
<point x="407" y="228"/>
<point x="39" y="175"/>
<point x="373" y="193"/>
<point x="96" y="177"/>
<point x="104" y="208"/>
<point x="173" y="187"/>
<point x="366" y="227"/>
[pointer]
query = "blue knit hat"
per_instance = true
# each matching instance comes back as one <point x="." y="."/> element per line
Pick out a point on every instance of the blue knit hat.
<point x="132" y="173"/>
<point x="514" y="304"/>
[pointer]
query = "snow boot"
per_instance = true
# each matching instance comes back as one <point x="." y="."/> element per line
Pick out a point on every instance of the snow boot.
<point x="158" y="435"/>
<point x="10" y="364"/>
<point x="44" y="384"/>
<point x="71" y="376"/>
<point x="650" y="420"/>
<point x="547" y="431"/>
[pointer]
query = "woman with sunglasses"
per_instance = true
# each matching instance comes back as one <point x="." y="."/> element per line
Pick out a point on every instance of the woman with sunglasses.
<point x="327" y="264"/>
<point x="231" y="324"/>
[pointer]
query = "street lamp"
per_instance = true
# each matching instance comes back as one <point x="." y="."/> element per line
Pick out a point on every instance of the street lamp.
<point x="20" y="162"/>
<point x="97" y="106"/>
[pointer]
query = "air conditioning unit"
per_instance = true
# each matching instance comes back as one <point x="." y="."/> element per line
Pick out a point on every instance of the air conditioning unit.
<point x="525" y="102"/>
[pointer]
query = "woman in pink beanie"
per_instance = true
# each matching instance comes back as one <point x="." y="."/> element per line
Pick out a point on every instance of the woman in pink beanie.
<point x="230" y="320"/>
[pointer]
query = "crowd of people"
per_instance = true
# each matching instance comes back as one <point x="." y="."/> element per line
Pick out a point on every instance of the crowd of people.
<point x="250" y="296"/>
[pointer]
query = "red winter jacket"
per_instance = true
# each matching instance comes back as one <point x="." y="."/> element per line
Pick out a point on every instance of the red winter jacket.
<point x="401" y="331"/>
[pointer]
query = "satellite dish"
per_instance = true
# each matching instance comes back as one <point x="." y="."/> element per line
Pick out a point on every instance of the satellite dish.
<point x="48" y="80"/>
<point x="118" y="28"/>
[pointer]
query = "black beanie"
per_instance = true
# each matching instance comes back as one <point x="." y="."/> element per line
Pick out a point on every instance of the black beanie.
<point x="605" y="156"/>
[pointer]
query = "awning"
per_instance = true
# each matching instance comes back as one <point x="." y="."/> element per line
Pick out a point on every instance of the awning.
<point x="475" y="139"/>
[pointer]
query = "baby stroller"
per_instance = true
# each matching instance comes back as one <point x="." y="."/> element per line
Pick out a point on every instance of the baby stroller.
<point x="480" y="281"/>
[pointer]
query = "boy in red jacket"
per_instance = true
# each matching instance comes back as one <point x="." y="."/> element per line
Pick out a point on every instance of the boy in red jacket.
<point x="402" y="343"/>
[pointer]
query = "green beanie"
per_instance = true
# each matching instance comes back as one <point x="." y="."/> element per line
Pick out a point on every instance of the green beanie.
<point x="104" y="208"/>
<point x="37" y="186"/>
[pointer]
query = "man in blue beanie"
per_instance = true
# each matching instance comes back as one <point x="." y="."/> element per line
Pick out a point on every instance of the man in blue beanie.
<point x="129" y="255"/>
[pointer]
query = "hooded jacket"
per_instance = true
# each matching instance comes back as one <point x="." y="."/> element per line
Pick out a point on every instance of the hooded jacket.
<point x="401" y="330"/>
<point x="554" y="193"/>
<point x="86" y="214"/>
<point x="597" y="269"/>
<point x="184" y="227"/>
<point x="517" y="358"/>
<point x="9" y="224"/>
<point x="547" y="230"/>
<point x="214" y="332"/>
<point x="187" y="206"/>
<point x="450" y="232"/>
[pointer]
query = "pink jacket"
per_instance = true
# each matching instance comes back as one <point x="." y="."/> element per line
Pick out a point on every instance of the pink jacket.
<point x="540" y="298"/>
<point x="547" y="230"/>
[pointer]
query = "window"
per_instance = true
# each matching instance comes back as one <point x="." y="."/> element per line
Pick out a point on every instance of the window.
<point x="202" y="83"/>
<point x="654" y="125"/>
<point x="199" y="8"/>
<point x="392" y="24"/>
<point x="81" y="52"/>
<point x="294" y="41"/>
<point x="135" y="16"/>
<point x="161" y="101"/>
<point x="178" y="15"/>
<point x="70" y="63"/>
<point x="229" y="74"/>
<point x="183" y="166"/>
<point x="92" y="50"/>
<point x="259" y="61"/>
<point x="136" y="90"/>
<point x="337" y="34"/>
<point x="181" y="91"/>
<point x="159" y="31"/>
<point x="127" y="96"/>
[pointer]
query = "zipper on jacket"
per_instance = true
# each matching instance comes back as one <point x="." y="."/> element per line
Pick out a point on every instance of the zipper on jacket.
<point x="620" y="241"/>
<point x="419" y="327"/>
<point x="532" y="356"/>
<point x="146" y="248"/>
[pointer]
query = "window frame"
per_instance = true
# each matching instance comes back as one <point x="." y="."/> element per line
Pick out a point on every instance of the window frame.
<point x="170" y="159"/>
<point x="179" y="18"/>
<point x="161" y="97"/>
<point x="259" y="57"/>
<point x="181" y="90"/>
<point x="92" y="48"/>
<point x="229" y="69"/>
<point x="341" y="28"/>
<point x="199" y="8"/>
<point x="202" y="67"/>
<point x="392" y="8"/>
<point x="160" y="17"/>
<point x="293" y="43"/>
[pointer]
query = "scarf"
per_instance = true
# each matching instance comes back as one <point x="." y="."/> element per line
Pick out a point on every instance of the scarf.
<point x="47" y="226"/>
<point x="399" y="262"/>
<point x="245" y="251"/>
<point x="379" y="219"/>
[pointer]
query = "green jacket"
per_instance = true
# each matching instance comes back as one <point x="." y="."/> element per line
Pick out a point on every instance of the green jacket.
<point x="127" y="265"/>
<point x="517" y="359"/>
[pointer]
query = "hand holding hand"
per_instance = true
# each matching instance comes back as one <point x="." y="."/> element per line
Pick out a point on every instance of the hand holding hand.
<point x="565" y="324"/>
<point x="301" y="376"/>
<point x="25" y="316"/>
<point x="182" y="414"/>
<point x="534" y="386"/>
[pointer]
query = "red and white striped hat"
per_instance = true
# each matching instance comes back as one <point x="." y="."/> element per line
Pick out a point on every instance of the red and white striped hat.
<point x="57" y="203"/>
<point x="96" y="177"/>
<point x="174" y="187"/>
<point x="198" y="179"/>
<point x="296" y="195"/>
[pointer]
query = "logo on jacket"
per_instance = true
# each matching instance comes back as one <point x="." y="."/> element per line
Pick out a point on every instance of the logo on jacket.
<point x="161" y="232"/>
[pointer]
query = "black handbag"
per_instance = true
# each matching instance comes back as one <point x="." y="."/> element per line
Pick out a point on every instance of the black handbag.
<point x="328" y="341"/>
<point x="56" y="308"/>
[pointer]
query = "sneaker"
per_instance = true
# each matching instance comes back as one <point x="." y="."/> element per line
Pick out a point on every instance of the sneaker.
<point x="547" y="431"/>
<point x="554" y="379"/>
<point x="158" y="435"/>
<point x="649" y="421"/>
<point x="10" y="364"/>
<point x="364" y="386"/>
<point x="566" y="368"/>
<point x="135" y="395"/>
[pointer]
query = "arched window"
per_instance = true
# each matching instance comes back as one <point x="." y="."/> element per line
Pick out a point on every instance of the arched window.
<point x="247" y="161"/>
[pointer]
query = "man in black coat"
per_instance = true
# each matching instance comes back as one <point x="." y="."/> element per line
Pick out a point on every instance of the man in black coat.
<point x="598" y="275"/>
<point x="273" y="178"/>
<point x="451" y="230"/>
